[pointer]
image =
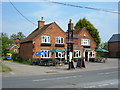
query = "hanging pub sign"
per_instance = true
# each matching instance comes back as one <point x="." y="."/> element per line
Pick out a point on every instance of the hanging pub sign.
<point x="74" y="41"/>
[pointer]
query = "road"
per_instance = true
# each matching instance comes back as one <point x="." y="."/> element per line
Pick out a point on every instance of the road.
<point x="107" y="78"/>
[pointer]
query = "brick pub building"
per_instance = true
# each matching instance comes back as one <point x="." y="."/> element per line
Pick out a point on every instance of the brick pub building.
<point x="50" y="36"/>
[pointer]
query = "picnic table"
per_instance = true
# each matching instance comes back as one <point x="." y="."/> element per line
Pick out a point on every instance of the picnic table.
<point x="45" y="62"/>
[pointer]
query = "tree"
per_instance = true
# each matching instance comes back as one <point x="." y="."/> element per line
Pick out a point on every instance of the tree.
<point x="13" y="36"/>
<point x="19" y="35"/>
<point x="104" y="46"/>
<point x="4" y="43"/>
<point x="91" y="29"/>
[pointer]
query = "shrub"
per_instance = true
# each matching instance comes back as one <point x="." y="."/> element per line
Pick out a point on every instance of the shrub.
<point x="3" y="57"/>
<point x="98" y="55"/>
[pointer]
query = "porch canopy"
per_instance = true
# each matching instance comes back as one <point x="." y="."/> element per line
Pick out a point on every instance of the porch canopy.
<point x="101" y="50"/>
<point x="57" y="50"/>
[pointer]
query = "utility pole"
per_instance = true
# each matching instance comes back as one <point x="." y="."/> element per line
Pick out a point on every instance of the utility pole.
<point x="70" y="43"/>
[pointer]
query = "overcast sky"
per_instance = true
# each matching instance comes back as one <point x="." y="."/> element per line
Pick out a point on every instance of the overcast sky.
<point x="13" y="22"/>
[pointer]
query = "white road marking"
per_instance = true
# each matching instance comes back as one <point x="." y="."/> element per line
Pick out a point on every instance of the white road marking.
<point x="12" y="73"/>
<point x="108" y="72"/>
<point x="103" y="85"/>
<point x="90" y="87"/>
<point x="111" y="83"/>
<point x="99" y="85"/>
<point x="56" y="78"/>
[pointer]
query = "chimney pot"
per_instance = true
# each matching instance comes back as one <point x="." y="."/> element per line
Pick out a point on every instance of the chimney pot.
<point x="42" y="18"/>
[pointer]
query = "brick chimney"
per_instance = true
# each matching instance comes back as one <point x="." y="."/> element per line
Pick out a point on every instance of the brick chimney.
<point x="41" y="23"/>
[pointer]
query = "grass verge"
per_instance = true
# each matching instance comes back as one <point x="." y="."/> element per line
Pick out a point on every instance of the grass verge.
<point x="28" y="62"/>
<point x="4" y="68"/>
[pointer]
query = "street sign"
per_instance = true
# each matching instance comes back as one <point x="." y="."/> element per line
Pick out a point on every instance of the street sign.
<point x="72" y="41"/>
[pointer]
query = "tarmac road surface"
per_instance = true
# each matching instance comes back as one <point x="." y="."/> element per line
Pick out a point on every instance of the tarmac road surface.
<point x="107" y="78"/>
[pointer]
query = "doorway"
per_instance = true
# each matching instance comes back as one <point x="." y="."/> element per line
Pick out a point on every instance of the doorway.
<point x="86" y="55"/>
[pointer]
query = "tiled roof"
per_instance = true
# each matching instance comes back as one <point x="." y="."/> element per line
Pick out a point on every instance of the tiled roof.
<point x="78" y="30"/>
<point x="9" y="47"/>
<point x="35" y="33"/>
<point x="115" y="38"/>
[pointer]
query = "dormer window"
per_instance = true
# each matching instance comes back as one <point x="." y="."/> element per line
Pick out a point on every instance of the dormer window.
<point x="45" y="39"/>
<point x="59" y="40"/>
<point x="85" y="42"/>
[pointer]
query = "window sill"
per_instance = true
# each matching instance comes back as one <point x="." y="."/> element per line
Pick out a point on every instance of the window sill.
<point x="59" y="45"/>
<point x="45" y="44"/>
<point x="87" y="46"/>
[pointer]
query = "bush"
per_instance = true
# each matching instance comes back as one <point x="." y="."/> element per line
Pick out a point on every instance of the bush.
<point x="98" y="55"/>
<point x="3" y="57"/>
<point x="18" y="59"/>
<point x="22" y="61"/>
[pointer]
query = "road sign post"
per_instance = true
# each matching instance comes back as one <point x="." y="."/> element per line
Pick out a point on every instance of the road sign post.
<point x="70" y="44"/>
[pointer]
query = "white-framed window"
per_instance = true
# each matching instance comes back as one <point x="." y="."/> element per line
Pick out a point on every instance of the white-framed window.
<point x="45" y="39"/>
<point x="92" y="54"/>
<point x="59" y="54"/>
<point x="85" y="42"/>
<point x="45" y="55"/>
<point x="15" y="50"/>
<point x="59" y="40"/>
<point x="77" y="53"/>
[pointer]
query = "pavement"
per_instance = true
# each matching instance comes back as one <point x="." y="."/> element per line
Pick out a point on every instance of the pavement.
<point x="30" y="70"/>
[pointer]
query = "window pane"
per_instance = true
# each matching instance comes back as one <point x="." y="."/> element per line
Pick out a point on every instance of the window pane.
<point x="79" y="54"/>
<point x="48" y="54"/>
<point x="74" y="53"/>
<point x="85" y="41"/>
<point x="61" y="40"/>
<point x="56" y="39"/>
<point x="56" y="54"/>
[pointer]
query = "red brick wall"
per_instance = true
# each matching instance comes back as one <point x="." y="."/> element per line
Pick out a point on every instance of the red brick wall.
<point x="114" y="49"/>
<point x="53" y="31"/>
<point x="26" y="50"/>
<point x="87" y="36"/>
<point x="114" y="46"/>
